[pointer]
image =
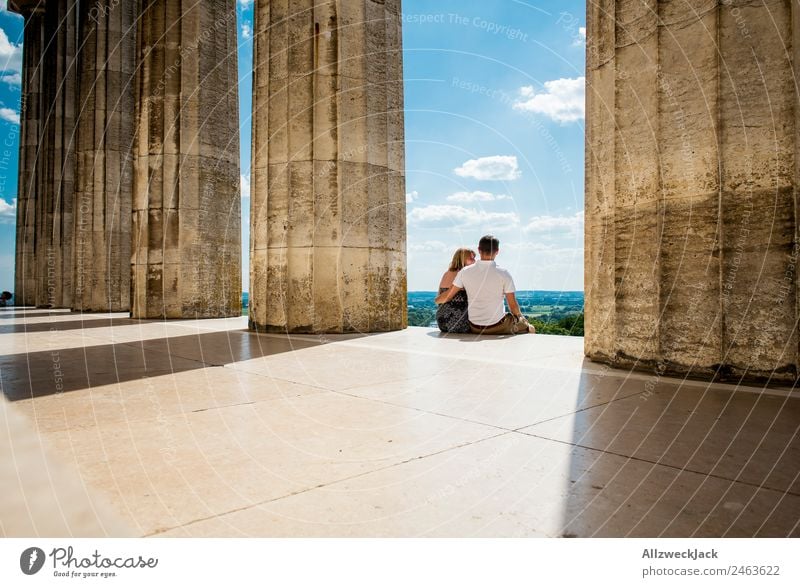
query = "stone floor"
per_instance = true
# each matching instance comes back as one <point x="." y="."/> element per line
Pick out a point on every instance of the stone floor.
<point x="200" y="428"/>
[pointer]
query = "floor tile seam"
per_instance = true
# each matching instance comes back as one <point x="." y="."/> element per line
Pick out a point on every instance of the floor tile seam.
<point x="666" y="465"/>
<point x="682" y="382"/>
<point x="455" y="356"/>
<point x="233" y="367"/>
<point x="625" y="376"/>
<point x="237" y="367"/>
<point x="421" y="410"/>
<point x="635" y="375"/>
<point x="50" y="333"/>
<point x="467" y="420"/>
<point x="91" y="326"/>
<point x="101" y="341"/>
<point x="26" y="352"/>
<point x="95" y="425"/>
<point x="327" y="484"/>
<point x="310" y="338"/>
<point x="363" y="344"/>
<point x="578" y="411"/>
<point x="590" y="371"/>
<point x="766" y="519"/>
<point x="348" y="391"/>
<point x="139" y="346"/>
<point x="316" y="391"/>
<point x="234" y="370"/>
<point x="393" y="381"/>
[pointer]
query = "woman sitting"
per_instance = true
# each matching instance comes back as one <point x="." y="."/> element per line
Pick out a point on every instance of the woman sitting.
<point x="452" y="316"/>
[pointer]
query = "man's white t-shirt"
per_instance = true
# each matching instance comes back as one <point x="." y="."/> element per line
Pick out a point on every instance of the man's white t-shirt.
<point x="486" y="286"/>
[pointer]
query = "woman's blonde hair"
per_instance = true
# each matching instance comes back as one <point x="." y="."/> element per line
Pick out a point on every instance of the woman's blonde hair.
<point x="460" y="259"/>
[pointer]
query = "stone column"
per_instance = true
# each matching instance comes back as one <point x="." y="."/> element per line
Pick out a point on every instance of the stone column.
<point x="637" y="205"/>
<point x="600" y="165"/>
<point x="56" y="165"/>
<point x="696" y="209"/>
<point x="30" y="135"/>
<point x="104" y="173"/>
<point x="758" y="192"/>
<point x="186" y="232"/>
<point x="327" y="246"/>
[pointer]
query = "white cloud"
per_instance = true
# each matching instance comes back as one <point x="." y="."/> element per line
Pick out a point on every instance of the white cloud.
<point x="247" y="31"/>
<point x="12" y="79"/>
<point x="494" y="168"/>
<point x="555" y="224"/>
<point x="244" y="181"/>
<point x="8" y="212"/>
<point x="528" y="246"/>
<point x="245" y="3"/>
<point x="412" y="196"/>
<point x="580" y="38"/>
<point x="476" y="196"/>
<point x="429" y="247"/>
<point x="10" y="58"/>
<point x="563" y="100"/>
<point x="564" y="259"/>
<point x="9" y="115"/>
<point x="582" y="32"/>
<point x="448" y="216"/>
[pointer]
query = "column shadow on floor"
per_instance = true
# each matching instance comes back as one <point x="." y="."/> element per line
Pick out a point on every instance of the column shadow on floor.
<point x="11" y="315"/>
<point x="42" y="373"/>
<point x="79" y="324"/>
<point x="670" y="458"/>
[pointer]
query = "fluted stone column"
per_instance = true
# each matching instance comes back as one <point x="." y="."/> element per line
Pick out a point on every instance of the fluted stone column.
<point x="104" y="173"/>
<point x="56" y="165"/>
<point x="691" y="187"/>
<point x="186" y="201"/>
<point x="30" y="136"/>
<point x="327" y="248"/>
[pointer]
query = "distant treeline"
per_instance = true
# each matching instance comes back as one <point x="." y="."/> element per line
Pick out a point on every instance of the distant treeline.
<point x="552" y="312"/>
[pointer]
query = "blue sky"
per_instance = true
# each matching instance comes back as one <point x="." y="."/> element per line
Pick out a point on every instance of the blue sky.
<point x="494" y="135"/>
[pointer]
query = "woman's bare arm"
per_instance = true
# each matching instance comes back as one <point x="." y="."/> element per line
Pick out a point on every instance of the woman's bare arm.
<point x="447" y="279"/>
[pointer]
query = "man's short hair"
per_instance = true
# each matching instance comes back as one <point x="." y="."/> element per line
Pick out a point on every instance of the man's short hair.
<point x="488" y="245"/>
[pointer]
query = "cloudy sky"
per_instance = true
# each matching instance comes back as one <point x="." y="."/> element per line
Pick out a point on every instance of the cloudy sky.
<point x="494" y="135"/>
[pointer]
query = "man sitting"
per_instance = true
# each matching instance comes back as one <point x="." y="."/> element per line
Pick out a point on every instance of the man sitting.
<point x="487" y="285"/>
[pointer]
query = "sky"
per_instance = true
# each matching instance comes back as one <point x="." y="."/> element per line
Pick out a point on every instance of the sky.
<point x="494" y="100"/>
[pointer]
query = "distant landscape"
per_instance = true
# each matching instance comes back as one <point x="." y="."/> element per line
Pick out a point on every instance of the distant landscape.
<point x="552" y="312"/>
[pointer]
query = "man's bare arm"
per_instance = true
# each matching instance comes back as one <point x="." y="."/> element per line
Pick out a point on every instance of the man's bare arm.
<point x="513" y="306"/>
<point x="445" y="297"/>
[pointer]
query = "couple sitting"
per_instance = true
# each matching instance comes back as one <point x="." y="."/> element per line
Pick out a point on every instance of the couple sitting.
<point x="471" y="294"/>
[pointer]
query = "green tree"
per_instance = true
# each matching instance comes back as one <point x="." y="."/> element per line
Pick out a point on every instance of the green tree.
<point x="555" y="323"/>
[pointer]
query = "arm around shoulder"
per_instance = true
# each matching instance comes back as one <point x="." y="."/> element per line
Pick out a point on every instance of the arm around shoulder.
<point x="445" y="297"/>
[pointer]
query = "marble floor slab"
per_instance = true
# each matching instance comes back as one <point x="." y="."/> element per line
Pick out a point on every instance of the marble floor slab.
<point x="201" y="428"/>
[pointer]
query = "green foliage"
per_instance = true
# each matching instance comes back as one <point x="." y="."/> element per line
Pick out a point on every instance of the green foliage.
<point x="421" y="316"/>
<point x="565" y="325"/>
